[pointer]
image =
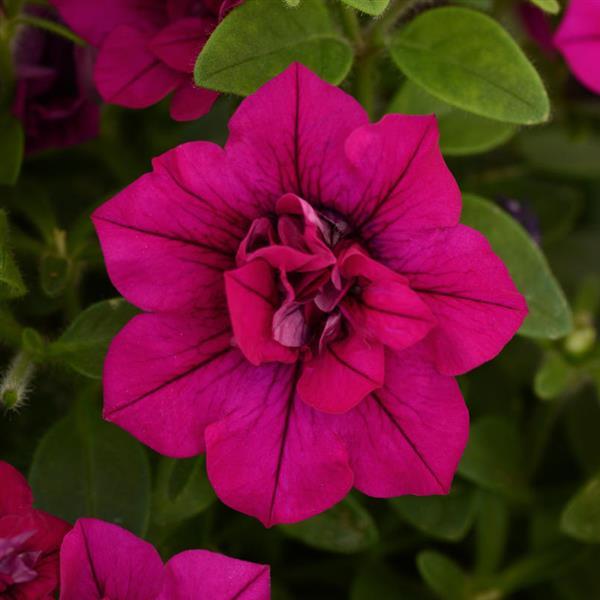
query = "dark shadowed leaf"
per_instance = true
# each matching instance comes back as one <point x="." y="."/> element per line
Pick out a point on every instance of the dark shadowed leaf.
<point x="553" y="377"/>
<point x="581" y="517"/>
<point x="443" y="575"/>
<point x="11" y="282"/>
<point x="11" y="149"/>
<point x="382" y="582"/>
<point x="468" y="60"/>
<point x="260" y="39"/>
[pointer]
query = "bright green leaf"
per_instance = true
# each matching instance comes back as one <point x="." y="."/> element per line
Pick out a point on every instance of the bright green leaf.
<point x="371" y="7"/>
<point x="581" y="517"/>
<point x="443" y="575"/>
<point x="486" y="73"/>
<point x="85" y="342"/>
<point x="11" y="282"/>
<point x="549" y="313"/>
<point x="11" y="149"/>
<point x="260" y="39"/>
<point x="85" y="467"/>
<point x="446" y="517"/>
<point x="182" y="490"/>
<point x="461" y="133"/>
<point x="549" y="6"/>
<point x="345" y="528"/>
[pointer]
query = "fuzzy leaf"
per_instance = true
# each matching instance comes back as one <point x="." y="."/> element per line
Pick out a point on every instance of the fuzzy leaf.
<point x="371" y="7"/>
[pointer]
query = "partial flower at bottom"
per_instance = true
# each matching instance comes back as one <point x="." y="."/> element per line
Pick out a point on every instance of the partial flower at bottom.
<point x="310" y="296"/>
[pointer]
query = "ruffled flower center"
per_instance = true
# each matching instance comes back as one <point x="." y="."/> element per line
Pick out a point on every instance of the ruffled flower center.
<point x="17" y="565"/>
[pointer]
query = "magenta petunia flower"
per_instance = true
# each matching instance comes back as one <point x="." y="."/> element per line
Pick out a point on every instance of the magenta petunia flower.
<point x="578" y="39"/>
<point x="99" y="560"/>
<point x="310" y="295"/>
<point x="147" y="49"/>
<point x="29" y="541"/>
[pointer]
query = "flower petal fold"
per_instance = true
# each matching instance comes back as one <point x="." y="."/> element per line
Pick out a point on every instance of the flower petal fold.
<point x="190" y="102"/>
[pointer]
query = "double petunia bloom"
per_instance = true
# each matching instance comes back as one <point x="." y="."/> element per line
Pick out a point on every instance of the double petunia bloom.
<point x="147" y="49"/>
<point x="309" y="296"/>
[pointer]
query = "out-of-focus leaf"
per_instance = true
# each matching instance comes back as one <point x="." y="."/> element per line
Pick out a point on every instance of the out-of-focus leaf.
<point x="182" y="490"/>
<point x="461" y="133"/>
<point x="345" y="528"/>
<point x="378" y="581"/>
<point x="443" y="575"/>
<point x="11" y="282"/>
<point x="553" y="377"/>
<point x="468" y="60"/>
<point x="54" y="274"/>
<point x="491" y="532"/>
<point x="260" y="39"/>
<point x="11" y="149"/>
<point x="549" y="6"/>
<point x="85" y="467"/>
<point x="553" y="150"/>
<point x="581" y="517"/>
<point x="446" y="517"/>
<point x="371" y="7"/>
<point x="549" y="313"/>
<point x="493" y="458"/>
<point x="85" y="342"/>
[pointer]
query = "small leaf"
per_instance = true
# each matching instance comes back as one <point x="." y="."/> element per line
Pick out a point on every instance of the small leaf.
<point x="85" y="467"/>
<point x="11" y="282"/>
<point x="549" y="313"/>
<point x="55" y="273"/>
<point x="371" y="7"/>
<point x="260" y="39"/>
<point x="468" y="60"/>
<point x="443" y="575"/>
<point x="581" y="517"/>
<point x="445" y="517"/>
<point x="549" y="6"/>
<point x="554" y="376"/>
<point x="461" y="133"/>
<point x="85" y="342"/>
<point x="345" y="528"/>
<point x="182" y="490"/>
<point x="493" y="458"/>
<point x="11" y="149"/>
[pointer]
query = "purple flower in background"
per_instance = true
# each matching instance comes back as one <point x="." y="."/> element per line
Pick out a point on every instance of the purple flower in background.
<point x="523" y="213"/>
<point x="54" y="97"/>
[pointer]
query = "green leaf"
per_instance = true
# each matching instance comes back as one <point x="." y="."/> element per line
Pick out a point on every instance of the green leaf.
<point x="555" y="150"/>
<point x="549" y="313"/>
<point x="491" y="532"/>
<point x="182" y="490"/>
<point x="549" y="6"/>
<point x="85" y="342"/>
<point x="371" y="7"/>
<point x="85" y="467"/>
<point x="461" y="133"/>
<point x="554" y="376"/>
<point x="445" y="517"/>
<point x="493" y="458"/>
<point x="11" y="149"/>
<point x="443" y="575"/>
<point x="55" y="272"/>
<point x="581" y="517"/>
<point x="345" y="528"/>
<point x="377" y="581"/>
<point x="11" y="282"/>
<point x="468" y="60"/>
<point x="260" y="39"/>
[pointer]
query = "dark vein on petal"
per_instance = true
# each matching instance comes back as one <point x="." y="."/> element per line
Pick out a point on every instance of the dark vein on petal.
<point x="248" y="585"/>
<point x="350" y="367"/>
<point x="252" y="290"/>
<point x="460" y="297"/>
<point x="99" y="587"/>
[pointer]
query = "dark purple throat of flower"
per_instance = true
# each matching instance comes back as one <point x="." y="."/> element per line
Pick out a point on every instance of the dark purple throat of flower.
<point x="17" y="565"/>
<point x="306" y="290"/>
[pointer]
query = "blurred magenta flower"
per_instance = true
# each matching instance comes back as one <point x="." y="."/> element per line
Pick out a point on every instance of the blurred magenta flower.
<point x="310" y="296"/>
<point x="99" y="560"/>
<point x="147" y="49"/>
<point x="29" y="541"/>
<point x="538" y="26"/>
<point x="578" y="39"/>
<point x="55" y="98"/>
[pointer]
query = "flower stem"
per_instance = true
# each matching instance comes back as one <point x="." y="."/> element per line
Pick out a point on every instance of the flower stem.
<point x="51" y="26"/>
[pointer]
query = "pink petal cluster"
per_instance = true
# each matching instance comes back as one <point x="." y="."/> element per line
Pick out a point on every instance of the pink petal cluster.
<point x="147" y="48"/>
<point x="29" y="541"/>
<point x="310" y="296"/>
<point x="101" y="561"/>
<point x="578" y="39"/>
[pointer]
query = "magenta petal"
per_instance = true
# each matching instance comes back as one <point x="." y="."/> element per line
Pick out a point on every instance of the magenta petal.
<point x="100" y="560"/>
<point x="251" y="297"/>
<point x="467" y="288"/>
<point x="272" y="458"/>
<point x="180" y="42"/>
<point x="402" y="181"/>
<point x="166" y="377"/>
<point x="578" y="39"/>
<point x="408" y="437"/>
<point x="190" y="102"/>
<point x="289" y="137"/>
<point x="218" y="577"/>
<point x="164" y="247"/>
<point x="128" y="74"/>
<point x="16" y="495"/>
<point x="340" y="376"/>
<point x="94" y="20"/>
